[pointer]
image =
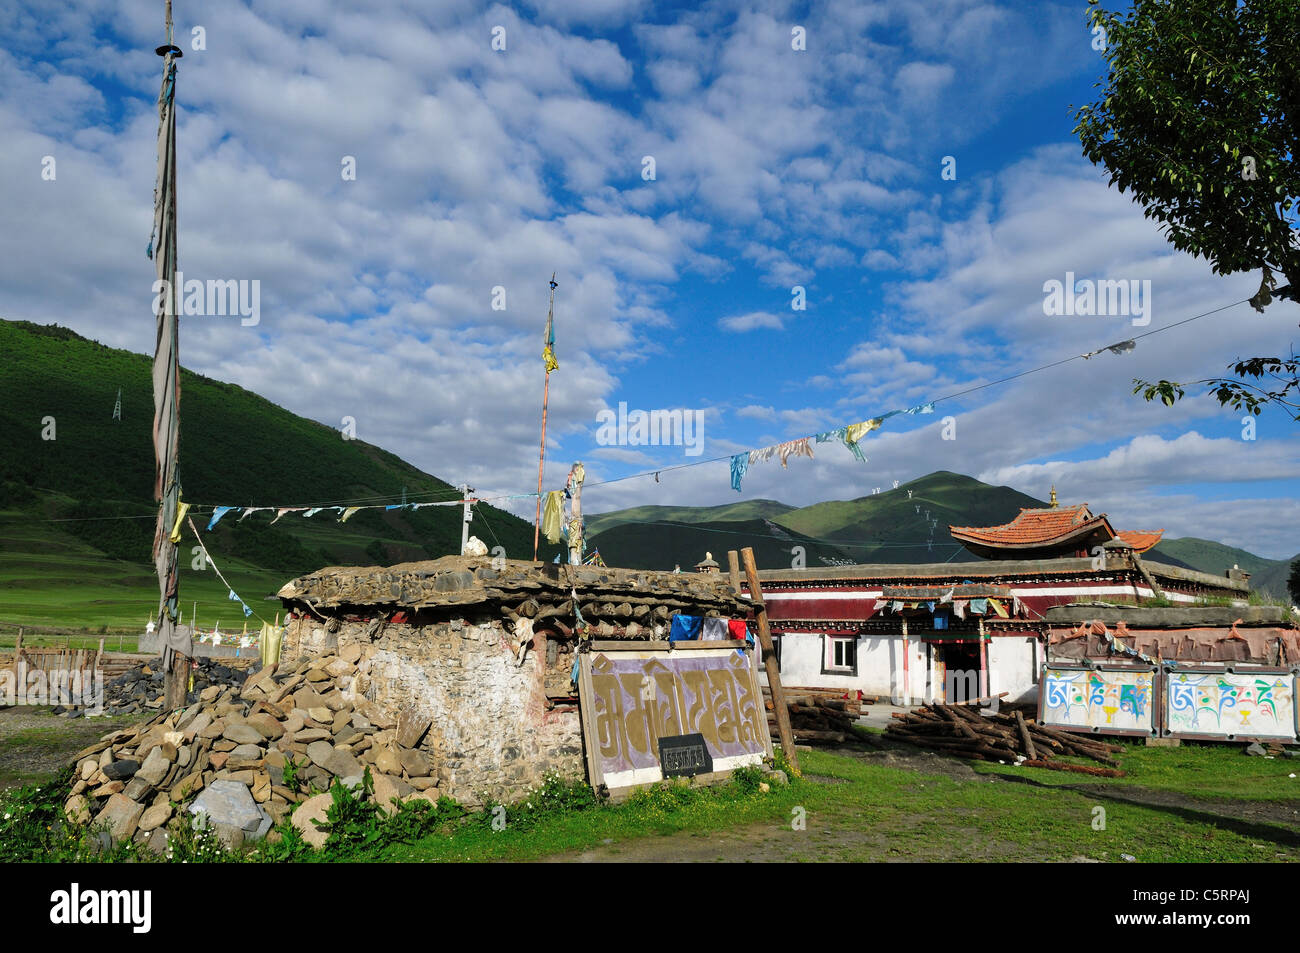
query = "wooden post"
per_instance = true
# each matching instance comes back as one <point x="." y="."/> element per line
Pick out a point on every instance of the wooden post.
<point x="18" y="657"/>
<point x="769" y="659"/>
<point x="733" y="563"/>
<point x="984" y="661"/>
<point x="906" y="688"/>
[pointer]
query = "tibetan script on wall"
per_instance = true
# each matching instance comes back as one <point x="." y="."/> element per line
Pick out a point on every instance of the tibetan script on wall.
<point x="1108" y="700"/>
<point x="633" y="698"/>
<point x="1241" y="704"/>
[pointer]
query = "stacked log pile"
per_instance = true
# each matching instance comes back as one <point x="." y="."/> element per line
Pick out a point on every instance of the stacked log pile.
<point x="962" y="731"/>
<point x="816" y="716"/>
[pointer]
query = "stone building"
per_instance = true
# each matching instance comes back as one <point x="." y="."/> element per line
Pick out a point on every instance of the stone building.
<point x="484" y="649"/>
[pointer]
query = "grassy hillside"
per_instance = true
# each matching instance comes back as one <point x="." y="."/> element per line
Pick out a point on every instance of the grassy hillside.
<point x="1266" y="575"/>
<point x="1209" y="556"/>
<point x="663" y="544"/>
<point x="76" y="511"/>
<point x="887" y="527"/>
<point x="892" y="526"/>
<point x="1273" y="579"/>
<point x="743" y="510"/>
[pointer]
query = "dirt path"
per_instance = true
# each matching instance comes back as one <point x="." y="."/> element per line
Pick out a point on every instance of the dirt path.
<point x="35" y="744"/>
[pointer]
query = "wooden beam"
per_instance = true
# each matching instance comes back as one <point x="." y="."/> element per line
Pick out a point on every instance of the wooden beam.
<point x="769" y="659"/>
<point x="733" y="563"/>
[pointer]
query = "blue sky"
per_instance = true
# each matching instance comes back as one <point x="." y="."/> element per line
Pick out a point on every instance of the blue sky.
<point x="774" y="167"/>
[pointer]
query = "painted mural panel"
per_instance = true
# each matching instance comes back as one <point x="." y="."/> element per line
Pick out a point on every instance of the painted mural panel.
<point x="631" y="699"/>
<point x="1240" y="704"/>
<point x="1109" y="700"/>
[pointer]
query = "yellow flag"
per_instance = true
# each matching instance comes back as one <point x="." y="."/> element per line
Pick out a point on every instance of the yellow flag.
<point x="855" y="432"/>
<point x="548" y="355"/>
<point x="181" y="510"/>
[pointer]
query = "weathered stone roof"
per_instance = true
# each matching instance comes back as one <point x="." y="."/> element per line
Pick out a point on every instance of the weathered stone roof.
<point x="949" y="573"/>
<point x="1160" y="617"/>
<point x="473" y="580"/>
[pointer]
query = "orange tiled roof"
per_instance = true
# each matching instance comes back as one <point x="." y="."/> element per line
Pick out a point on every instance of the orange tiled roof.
<point x="1140" y="539"/>
<point x="1033" y="527"/>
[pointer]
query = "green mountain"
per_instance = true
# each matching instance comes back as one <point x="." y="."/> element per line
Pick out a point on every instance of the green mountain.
<point x="1267" y="576"/>
<point x="1209" y="556"/>
<point x="1273" y="579"/>
<point x="886" y="527"/>
<point x="76" y="485"/>
<point x="909" y="524"/>
<point x="664" y="544"/>
<point x="744" y="510"/>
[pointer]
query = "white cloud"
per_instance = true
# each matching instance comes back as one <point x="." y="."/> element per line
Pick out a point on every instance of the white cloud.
<point x="751" y="321"/>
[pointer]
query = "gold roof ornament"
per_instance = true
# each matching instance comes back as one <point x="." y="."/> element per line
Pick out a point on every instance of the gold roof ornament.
<point x="1052" y="503"/>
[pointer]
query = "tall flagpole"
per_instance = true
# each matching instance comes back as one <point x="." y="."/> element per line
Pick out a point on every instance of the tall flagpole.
<point x="549" y="356"/>
<point x="175" y="640"/>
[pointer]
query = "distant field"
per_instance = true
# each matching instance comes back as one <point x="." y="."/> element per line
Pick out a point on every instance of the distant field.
<point x="49" y="578"/>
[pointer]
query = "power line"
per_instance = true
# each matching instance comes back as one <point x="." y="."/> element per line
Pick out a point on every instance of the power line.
<point x="946" y="397"/>
<point x="381" y="500"/>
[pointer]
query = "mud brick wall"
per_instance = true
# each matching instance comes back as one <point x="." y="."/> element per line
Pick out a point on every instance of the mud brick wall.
<point x="491" y="737"/>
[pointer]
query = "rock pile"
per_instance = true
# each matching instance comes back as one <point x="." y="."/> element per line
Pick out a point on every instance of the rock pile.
<point x="141" y="688"/>
<point x="244" y="750"/>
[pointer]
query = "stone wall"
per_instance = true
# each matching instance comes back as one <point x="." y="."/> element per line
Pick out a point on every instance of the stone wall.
<point x="480" y="651"/>
<point x="493" y="734"/>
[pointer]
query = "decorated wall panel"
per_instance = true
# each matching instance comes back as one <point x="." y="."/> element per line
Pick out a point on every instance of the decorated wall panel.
<point x="1104" y="700"/>
<point x="634" y="699"/>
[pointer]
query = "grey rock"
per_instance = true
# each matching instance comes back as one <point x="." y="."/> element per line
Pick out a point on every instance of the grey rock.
<point x="121" y="770"/>
<point x="342" y="764"/>
<point x="137" y="788"/>
<point x="121" y="815"/>
<point x="230" y="806"/>
<point x="243" y="734"/>
<point x="155" y="767"/>
<point x="1256" y="750"/>
<point x="320" y="753"/>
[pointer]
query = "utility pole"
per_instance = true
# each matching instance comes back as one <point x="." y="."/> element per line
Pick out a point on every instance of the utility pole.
<point x="466" y="490"/>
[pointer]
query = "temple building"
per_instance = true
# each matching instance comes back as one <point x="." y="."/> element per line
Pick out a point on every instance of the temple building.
<point x="952" y="631"/>
<point x="1051" y="532"/>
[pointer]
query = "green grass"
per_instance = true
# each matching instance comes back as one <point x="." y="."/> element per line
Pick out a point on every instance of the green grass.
<point x="883" y="813"/>
<point x="1205" y="772"/>
<point x="866" y="809"/>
